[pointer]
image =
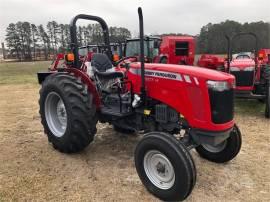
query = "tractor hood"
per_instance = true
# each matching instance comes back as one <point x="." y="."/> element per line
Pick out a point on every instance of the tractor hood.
<point x="183" y="70"/>
<point x="242" y="63"/>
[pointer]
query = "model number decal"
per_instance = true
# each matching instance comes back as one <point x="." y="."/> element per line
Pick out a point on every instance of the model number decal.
<point x="159" y="74"/>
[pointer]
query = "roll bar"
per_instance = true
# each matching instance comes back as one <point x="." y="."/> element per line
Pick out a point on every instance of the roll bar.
<point x="230" y="41"/>
<point x="73" y="36"/>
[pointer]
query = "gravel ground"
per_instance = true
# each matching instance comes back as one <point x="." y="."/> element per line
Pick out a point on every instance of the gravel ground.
<point x="30" y="169"/>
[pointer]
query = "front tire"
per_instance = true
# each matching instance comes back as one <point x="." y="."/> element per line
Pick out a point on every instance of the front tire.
<point x="165" y="166"/>
<point x="224" y="151"/>
<point x="68" y="112"/>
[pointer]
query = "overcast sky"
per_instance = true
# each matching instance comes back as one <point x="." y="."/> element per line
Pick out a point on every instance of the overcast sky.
<point x="160" y="16"/>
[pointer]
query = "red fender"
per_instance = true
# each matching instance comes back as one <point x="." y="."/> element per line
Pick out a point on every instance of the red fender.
<point x="91" y="86"/>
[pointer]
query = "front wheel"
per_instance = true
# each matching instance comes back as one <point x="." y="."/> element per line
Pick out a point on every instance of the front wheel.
<point x="223" y="152"/>
<point x="165" y="166"/>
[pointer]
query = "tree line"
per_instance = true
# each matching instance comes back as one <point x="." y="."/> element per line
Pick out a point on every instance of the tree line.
<point x="27" y="41"/>
<point x="212" y="36"/>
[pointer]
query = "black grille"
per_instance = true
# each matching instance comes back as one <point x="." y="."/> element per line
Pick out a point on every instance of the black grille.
<point x="222" y="107"/>
<point x="243" y="78"/>
<point x="166" y="114"/>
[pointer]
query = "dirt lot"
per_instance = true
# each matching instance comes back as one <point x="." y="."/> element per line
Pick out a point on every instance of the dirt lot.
<point x="30" y="169"/>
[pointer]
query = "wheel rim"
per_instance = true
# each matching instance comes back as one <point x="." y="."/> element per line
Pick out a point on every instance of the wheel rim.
<point x="55" y="114"/>
<point x="215" y="149"/>
<point x="159" y="169"/>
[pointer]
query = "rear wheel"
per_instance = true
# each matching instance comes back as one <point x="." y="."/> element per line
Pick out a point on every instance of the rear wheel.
<point x="224" y="151"/>
<point x="68" y="113"/>
<point x="165" y="166"/>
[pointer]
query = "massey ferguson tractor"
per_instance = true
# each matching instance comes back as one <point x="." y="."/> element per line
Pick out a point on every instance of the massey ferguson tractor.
<point x="177" y="107"/>
<point x="167" y="49"/>
<point x="252" y="72"/>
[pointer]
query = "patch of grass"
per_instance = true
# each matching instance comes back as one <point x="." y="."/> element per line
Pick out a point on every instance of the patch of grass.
<point x="249" y="107"/>
<point x="1" y="197"/>
<point x="21" y="72"/>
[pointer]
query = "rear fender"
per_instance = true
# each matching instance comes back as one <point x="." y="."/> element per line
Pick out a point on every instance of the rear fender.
<point x="79" y="74"/>
<point x="42" y="76"/>
<point x="91" y="86"/>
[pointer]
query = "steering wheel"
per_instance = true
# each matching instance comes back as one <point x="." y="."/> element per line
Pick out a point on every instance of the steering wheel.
<point x="123" y="60"/>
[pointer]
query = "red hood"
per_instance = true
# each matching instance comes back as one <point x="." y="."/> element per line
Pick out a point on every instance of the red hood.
<point x="242" y="63"/>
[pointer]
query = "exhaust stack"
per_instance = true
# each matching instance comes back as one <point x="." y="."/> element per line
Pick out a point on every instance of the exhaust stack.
<point x="143" y="91"/>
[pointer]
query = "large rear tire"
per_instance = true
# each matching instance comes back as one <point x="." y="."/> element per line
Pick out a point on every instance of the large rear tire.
<point x="165" y="166"/>
<point x="224" y="151"/>
<point x="68" y="112"/>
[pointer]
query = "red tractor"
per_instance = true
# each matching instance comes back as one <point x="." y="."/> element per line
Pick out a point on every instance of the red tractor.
<point x="177" y="107"/>
<point x="252" y="73"/>
<point x="211" y="61"/>
<point x="167" y="49"/>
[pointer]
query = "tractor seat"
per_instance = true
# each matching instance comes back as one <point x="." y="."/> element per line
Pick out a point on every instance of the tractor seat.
<point x="109" y="75"/>
<point x="102" y="64"/>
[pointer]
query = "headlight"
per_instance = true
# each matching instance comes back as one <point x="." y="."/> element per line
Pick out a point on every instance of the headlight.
<point x="234" y="69"/>
<point x="218" y="85"/>
<point x="249" y="69"/>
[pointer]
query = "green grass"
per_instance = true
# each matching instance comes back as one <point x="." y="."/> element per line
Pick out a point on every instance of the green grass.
<point x="21" y="72"/>
<point x="249" y="107"/>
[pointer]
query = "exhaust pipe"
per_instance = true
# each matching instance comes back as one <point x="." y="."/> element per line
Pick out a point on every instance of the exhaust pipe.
<point x="143" y="91"/>
<point x="229" y="57"/>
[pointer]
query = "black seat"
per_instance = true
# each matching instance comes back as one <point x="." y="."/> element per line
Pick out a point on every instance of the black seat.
<point x="101" y="64"/>
<point x="109" y="75"/>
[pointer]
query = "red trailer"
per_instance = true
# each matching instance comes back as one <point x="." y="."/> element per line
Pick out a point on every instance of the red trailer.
<point x="177" y="50"/>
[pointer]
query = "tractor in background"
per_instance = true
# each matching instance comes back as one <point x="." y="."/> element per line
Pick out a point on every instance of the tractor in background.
<point x="165" y="49"/>
<point x="177" y="107"/>
<point x="251" y="71"/>
<point x="116" y="49"/>
<point x="211" y="61"/>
